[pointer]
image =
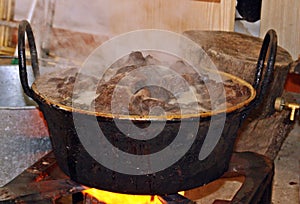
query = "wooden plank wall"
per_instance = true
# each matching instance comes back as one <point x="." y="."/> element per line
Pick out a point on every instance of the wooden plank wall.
<point x="284" y="17"/>
<point x="173" y="15"/>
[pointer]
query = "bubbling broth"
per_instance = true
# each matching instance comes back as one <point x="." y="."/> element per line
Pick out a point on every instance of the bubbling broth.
<point x="142" y="85"/>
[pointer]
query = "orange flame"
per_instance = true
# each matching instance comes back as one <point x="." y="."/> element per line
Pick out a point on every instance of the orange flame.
<point x="113" y="198"/>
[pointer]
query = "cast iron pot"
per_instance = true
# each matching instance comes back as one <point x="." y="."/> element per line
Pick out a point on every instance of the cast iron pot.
<point x="189" y="171"/>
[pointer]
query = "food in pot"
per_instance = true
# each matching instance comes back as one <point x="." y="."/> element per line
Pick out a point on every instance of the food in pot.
<point x="138" y="85"/>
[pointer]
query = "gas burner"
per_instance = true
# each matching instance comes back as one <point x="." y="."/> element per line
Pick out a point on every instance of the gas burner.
<point x="44" y="182"/>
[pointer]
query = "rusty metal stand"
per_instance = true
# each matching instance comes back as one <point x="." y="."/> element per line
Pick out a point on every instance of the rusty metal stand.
<point x="258" y="171"/>
<point x="44" y="183"/>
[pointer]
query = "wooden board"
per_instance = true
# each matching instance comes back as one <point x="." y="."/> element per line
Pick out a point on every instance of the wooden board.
<point x="266" y="136"/>
<point x="237" y="54"/>
<point x="173" y="15"/>
<point x="284" y="17"/>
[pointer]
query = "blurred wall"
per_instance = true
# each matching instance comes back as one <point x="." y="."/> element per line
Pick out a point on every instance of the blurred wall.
<point x="119" y="16"/>
<point x="87" y="16"/>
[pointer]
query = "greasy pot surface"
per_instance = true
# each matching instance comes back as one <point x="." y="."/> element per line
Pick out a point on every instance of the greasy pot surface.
<point x="70" y="129"/>
<point x="188" y="171"/>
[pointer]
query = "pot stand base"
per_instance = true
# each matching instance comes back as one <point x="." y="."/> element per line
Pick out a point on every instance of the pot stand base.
<point x="44" y="182"/>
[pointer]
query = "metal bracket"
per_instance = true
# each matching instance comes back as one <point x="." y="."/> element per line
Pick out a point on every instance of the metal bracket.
<point x="280" y="104"/>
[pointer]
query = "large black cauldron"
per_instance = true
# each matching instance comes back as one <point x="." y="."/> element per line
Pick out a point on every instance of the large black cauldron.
<point x="186" y="173"/>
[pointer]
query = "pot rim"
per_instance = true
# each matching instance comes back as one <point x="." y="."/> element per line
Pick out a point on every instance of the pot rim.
<point x="152" y="117"/>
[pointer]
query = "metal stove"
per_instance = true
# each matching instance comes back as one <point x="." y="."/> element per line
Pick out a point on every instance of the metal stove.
<point x="45" y="183"/>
